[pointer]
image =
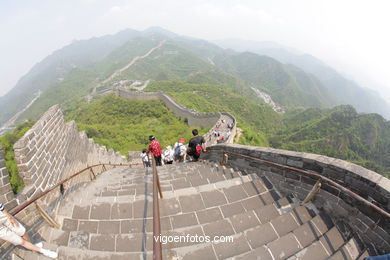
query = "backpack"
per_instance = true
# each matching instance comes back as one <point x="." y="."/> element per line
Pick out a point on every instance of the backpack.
<point x="177" y="150"/>
<point x="198" y="149"/>
<point x="183" y="150"/>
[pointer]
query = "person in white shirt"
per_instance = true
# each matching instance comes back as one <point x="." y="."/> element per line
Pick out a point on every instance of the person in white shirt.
<point x="168" y="155"/>
<point x="145" y="158"/>
<point x="180" y="150"/>
<point x="14" y="232"/>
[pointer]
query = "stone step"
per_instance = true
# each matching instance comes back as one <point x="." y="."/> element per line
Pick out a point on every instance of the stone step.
<point x="305" y="234"/>
<point x="264" y="213"/>
<point x="172" y="183"/>
<point x="321" y="248"/>
<point x="349" y="251"/>
<point x="238" y="224"/>
<point x="183" y="200"/>
<point x="241" y="244"/>
<point x="250" y="234"/>
<point x="69" y="253"/>
<point x="173" y="206"/>
<point x="363" y="255"/>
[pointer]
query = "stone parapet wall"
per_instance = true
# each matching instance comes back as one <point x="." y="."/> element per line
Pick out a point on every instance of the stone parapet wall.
<point x="193" y="117"/>
<point x="7" y="196"/>
<point x="369" y="225"/>
<point x="53" y="150"/>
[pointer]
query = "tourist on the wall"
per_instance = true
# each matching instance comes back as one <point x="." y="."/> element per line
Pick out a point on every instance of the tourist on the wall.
<point x="14" y="232"/>
<point x="196" y="145"/>
<point x="180" y="150"/>
<point x="156" y="150"/>
<point x="168" y="155"/>
<point x="145" y="158"/>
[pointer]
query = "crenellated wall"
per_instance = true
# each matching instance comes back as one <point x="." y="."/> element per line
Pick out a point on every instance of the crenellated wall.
<point x="53" y="150"/>
<point x="7" y="196"/>
<point x="372" y="227"/>
<point x="50" y="151"/>
<point x="193" y="117"/>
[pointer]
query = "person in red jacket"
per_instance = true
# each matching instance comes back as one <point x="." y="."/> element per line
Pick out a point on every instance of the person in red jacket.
<point x="156" y="150"/>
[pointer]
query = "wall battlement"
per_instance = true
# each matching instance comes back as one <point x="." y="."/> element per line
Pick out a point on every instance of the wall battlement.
<point x="7" y="196"/>
<point x="53" y="150"/>
<point x="193" y="117"/>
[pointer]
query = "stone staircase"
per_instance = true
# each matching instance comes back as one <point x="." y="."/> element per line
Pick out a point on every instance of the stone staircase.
<point x="111" y="219"/>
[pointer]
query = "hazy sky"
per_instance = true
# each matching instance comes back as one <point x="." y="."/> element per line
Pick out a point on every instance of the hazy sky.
<point x="351" y="35"/>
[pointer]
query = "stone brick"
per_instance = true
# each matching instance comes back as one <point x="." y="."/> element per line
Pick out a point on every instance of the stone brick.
<point x="294" y="163"/>
<point x="284" y="247"/>
<point x="209" y="215"/>
<point x="226" y="250"/>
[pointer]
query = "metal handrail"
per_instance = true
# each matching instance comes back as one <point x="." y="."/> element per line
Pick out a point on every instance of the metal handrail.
<point x="157" y="248"/>
<point x="314" y="175"/>
<point x="24" y="205"/>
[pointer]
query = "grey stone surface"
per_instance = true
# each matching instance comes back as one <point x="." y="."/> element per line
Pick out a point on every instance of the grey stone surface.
<point x="284" y="247"/>
<point x="238" y="246"/>
<point x="256" y="235"/>
<point x="209" y="215"/>
<point x="244" y="221"/>
<point x="331" y="198"/>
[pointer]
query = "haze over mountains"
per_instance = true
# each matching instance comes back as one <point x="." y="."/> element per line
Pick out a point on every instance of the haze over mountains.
<point x="208" y="78"/>
<point x="345" y="91"/>
<point x="309" y="83"/>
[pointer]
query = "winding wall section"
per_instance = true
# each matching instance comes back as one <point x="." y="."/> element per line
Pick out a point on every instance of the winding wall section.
<point x="194" y="118"/>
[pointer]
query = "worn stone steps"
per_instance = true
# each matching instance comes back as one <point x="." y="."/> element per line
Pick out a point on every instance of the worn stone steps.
<point x="205" y="196"/>
<point x="348" y="251"/>
<point x="112" y="220"/>
<point x="170" y="207"/>
<point x="363" y="255"/>
<point x="247" y="239"/>
<point x="322" y="247"/>
<point x="264" y="213"/>
<point x="198" y="218"/>
<point x="133" y="243"/>
<point x="194" y="176"/>
<point x="241" y="227"/>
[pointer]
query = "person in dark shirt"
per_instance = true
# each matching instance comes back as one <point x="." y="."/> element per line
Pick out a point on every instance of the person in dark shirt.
<point x="196" y="145"/>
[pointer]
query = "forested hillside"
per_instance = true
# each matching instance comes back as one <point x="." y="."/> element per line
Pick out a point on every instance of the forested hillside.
<point x="255" y="119"/>
<point x="339" y="132"/>
<point x="204" y="77"/>
<point x="125" y="125"/>
<point x="344" y="90"/>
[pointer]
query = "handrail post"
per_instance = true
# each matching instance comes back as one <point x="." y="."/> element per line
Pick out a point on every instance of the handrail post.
<point x="157" y="248"/>
<point x="313" y="192"/>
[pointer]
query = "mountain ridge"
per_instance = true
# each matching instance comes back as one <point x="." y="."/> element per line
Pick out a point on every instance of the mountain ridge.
<point x="347" y="91"/>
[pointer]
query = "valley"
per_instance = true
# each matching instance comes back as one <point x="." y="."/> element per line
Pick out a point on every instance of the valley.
<point x="276" y="104"/>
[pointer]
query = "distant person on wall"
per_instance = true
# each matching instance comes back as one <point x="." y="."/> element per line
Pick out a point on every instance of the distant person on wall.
<point x="168" y="155"/>
<point x="180" y="150"/>
<point x="156" y="150"/>
<point x="14" y="232"/>
<point x="145" y="158"/>
<point x="196" y="145"/>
